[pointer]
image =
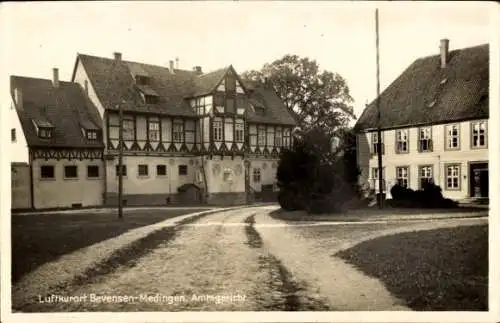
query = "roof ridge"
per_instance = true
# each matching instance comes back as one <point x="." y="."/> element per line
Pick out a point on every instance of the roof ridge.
<point x="454" y="51"/>
<point x="40" y="79"/>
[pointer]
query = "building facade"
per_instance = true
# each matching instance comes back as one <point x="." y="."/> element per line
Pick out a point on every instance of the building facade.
<point x="188" y="137"/>
<point x="434" y="122"/>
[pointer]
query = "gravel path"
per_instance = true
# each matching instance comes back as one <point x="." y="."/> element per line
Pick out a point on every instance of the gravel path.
<point x="205" y="267"/>
<point x="307" y="251"/>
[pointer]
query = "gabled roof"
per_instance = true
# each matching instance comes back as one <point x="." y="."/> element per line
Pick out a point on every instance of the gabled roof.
<point x="114" y="84"/>
<point x="274" y="112"/>
<point x="425" y="93"/>
<point x="66" y="108"/>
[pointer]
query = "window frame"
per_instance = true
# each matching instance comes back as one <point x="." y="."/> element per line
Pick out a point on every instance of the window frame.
<point x="177" y="131"/>
<point x="407" y="141"/>
<point x="458" y="176"/>
<point x="182" y="173"/>
<point x="143" y="167"/>
<point x="407" y="178"/>
<point x="155" y="122"/>
<point x="447" y="136"/>
<point x="128" y="128"/>
<point x="66" y="167"/>
<point x="261" y="134"/>
<point x="13" y="135"/>
<point x="472" y="124"/>
<point x="420" y="177"/>
<point x="218" y="130"/>
<point x="256" y="175"/>
<point x="164" y="166"/>
<point x="239" y="131"/>
<point x="94" y="167"/>
<point x="421" y="139"/>
<point x="124" y="169"/>
<point x="53" y="172"/>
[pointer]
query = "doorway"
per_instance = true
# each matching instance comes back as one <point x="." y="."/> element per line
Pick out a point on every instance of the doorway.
<point x="479" y="180"/>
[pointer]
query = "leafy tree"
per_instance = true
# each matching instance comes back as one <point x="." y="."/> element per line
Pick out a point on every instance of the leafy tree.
<point x="316" y="98"/>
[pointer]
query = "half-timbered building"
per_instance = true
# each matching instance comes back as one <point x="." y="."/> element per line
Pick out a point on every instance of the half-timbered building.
<point x="58" y="129"/>
<point x="209" y="136"/>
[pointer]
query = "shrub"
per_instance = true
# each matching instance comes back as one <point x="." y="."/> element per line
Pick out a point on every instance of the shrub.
<point x="288" y="200"/>
<point x="430" y="196"/>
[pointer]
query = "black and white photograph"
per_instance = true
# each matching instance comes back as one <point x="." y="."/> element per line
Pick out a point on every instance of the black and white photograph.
<point x="263" y="161"/>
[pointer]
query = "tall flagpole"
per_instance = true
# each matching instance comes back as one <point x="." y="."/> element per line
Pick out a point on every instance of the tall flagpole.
<point x="379" y="131"/>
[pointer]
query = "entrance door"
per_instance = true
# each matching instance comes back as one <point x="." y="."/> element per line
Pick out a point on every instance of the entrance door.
<point x="479" y="186"/>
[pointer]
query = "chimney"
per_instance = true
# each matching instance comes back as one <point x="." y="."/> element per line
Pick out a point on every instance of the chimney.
<point x="198" y="70"/>
<point x="55" y="77"/>
<point x="18" y="97"/>
<point x="118" y="56"/>
<point x="444" y="52"/>
<point x="177" y="62"/>
<point x="171" y="67"/>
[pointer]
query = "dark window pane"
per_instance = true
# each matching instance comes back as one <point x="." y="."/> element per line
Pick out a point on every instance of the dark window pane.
<point x="70" y="172"/>
<point x="47" y="171"/>
<point x="92" y="171"/>
<point x="161" y="170"/>
<point x="143" y="170"/>
<point x="183" y="169"/>
<point x="117" y="170"/>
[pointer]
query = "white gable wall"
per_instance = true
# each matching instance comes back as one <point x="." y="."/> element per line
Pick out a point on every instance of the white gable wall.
<point x="18" y="149"/>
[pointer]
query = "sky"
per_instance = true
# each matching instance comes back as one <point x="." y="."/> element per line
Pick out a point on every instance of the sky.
<point x="340" y="36"/>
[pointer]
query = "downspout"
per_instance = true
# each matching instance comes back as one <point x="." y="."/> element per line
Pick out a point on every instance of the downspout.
<point x="205" y="195"/>
<point x="32" y="193"/>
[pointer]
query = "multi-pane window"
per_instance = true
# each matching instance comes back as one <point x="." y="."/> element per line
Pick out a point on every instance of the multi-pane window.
<point x="375" y="175"/>
<point x="278" y="139"/>
<point x="402" y="176"/>
<point x="189" y="131"/>
<point x="124" y="170"/>
<point x="154" y="129"/>
<point x="91" y="134"/>
<point x="178" y="131"/>
<point x="374" y="145"/>
<point x="161" y="170"/>
<point x="452" y="136"/>
<point x="45" y="133"/>
<point x="425" y="175"/>
<point x="239" y="131"/>
<point x="183" y="169"/>
<point x="452" y="177"/>
<point x="70" y="171"/>
<point x="261" y="139"/>
<point x="256" y="175"/>
<point x="286" y="138"/>
<point x="142" y="170"/>
<point x="479" y="134"/>
<point x="425" y="139"/>
<point x="253" y="135"/>
<point x="402" y="141"/>
<point x="217" y="130"/>
<point x="47" y="171"/>
<point x="92" y="171"/>
<point x="228" y="130"/>
<point x="128" y="128"/>
<point x="270" y="136"/>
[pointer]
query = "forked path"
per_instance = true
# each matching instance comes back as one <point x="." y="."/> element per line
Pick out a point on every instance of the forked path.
<point x="240" y="260"/>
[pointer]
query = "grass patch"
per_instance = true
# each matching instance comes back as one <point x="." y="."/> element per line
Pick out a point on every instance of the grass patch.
<point x="37" y="239"/>
<point x="445" y="269"/>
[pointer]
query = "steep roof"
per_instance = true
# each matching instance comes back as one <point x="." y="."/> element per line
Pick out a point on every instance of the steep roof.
<point x="114" y="83"/>
<point x="425" y="93"/>
<point x="65" y="107"/>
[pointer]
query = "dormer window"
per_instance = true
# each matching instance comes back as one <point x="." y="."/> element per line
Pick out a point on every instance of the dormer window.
<point x="91" y="134"/>
<point x="43" y="128"/>
<point x="141" y="80"/>
<point x="151" y="99"/>
<point x="45" y="133"/>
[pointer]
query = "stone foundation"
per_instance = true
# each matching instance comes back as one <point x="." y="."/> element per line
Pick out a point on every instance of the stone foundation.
<point x="143" y="199"/>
